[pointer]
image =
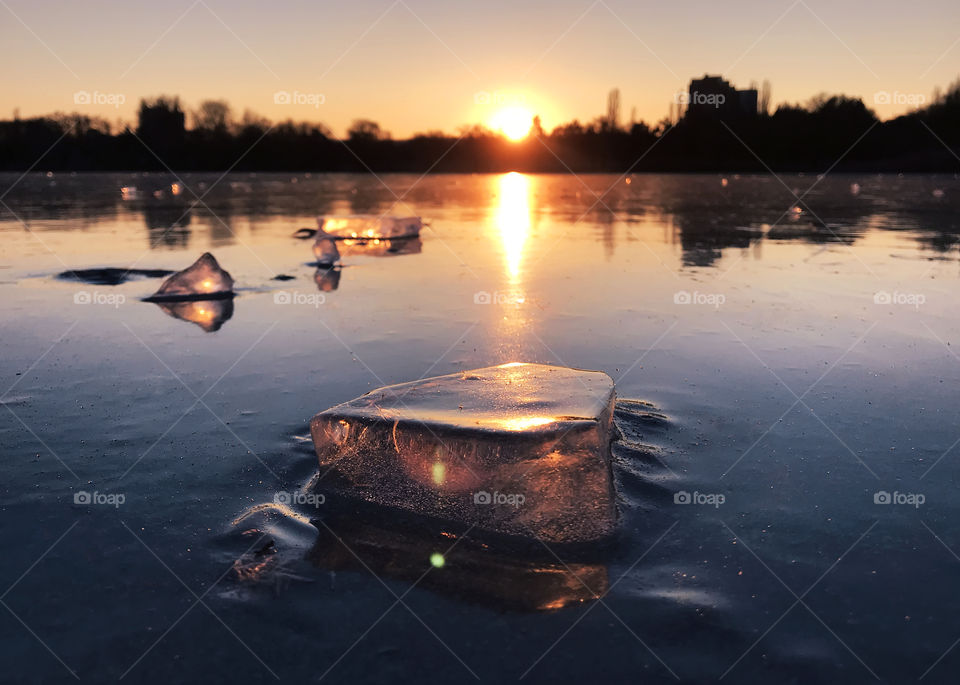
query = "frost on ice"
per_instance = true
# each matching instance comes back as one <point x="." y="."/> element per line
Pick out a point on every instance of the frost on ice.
<point x="204" y="279"/>
<point x="519" y="449"/>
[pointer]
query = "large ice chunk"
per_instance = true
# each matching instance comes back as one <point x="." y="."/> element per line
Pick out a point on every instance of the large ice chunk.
<point x="520" y="449"/>
<point x="369" y="226"/>
<point x="204" y="279"/>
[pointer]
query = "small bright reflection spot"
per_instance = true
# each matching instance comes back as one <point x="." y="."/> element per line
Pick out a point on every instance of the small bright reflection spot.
<point x="437" y="560"/>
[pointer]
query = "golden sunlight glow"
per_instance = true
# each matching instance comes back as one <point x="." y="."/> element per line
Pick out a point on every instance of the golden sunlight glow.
<point x="513" y="220"/>
<point x="524" y="422"/>
<point x="513" y="122"/>
<point x="439" y="473"/>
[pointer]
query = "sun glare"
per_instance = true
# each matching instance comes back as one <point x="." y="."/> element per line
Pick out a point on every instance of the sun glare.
<point x="513" y="122"/>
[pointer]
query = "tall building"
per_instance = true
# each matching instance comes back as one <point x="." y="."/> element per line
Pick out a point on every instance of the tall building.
<point x="712" y="96"/>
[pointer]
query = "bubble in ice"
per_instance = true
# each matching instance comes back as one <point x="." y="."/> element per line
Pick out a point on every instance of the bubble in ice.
<point x="204" y="279"/>
<point x="517" y="449"/>
<point x="369" y="226"/>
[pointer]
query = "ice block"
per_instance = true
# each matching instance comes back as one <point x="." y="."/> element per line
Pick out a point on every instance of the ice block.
<point x="519" y="449"/>
<point x="369" y="226"/>
<point x="204" y="279"/>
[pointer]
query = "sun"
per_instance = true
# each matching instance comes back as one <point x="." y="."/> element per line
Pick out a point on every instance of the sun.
<point x="513" y="122"/>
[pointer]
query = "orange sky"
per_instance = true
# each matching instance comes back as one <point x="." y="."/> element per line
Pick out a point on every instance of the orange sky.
<point x="417" y="65"/>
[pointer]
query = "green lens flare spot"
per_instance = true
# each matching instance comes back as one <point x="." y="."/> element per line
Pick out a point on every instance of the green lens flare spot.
<point x="437" y="560"/>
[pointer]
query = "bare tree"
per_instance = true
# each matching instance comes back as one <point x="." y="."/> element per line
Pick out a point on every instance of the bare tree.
<point x="766" y="92"/>
<point x="213" y="115"/>
<point x="613" y="109"/>
<point x="364" y="129"/>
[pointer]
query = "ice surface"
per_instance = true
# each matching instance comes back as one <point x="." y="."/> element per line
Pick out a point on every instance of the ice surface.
<point x="520" y="449"/>
<point x="202" y="279"/>
<point x="368" y="226"/>
<point x="325" y="250"/>
<point x="111" y="275"/>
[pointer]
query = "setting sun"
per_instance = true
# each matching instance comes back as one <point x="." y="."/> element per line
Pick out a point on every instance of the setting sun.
<point x="513" y="122"/>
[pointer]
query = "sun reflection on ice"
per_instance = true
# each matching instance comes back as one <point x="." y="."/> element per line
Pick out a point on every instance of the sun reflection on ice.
<point x="513" y="220"/>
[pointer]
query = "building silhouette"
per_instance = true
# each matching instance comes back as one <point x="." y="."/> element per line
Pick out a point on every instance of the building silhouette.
<point x="713" y="96"/>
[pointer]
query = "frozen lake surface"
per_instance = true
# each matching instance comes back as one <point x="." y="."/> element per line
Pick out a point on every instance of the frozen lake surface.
<point x="786" y="374"/>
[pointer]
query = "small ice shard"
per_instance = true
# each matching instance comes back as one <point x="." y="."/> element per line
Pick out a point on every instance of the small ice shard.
<point x="325" y="250"/>
<point x="938" y="192"/>
<point x="369" y="226"/>
<point x="854" y="188"/>
<point x="204" y="279"/>
<point x="518" y="449"/>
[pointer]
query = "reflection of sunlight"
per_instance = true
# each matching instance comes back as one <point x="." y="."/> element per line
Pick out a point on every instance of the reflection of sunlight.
<point x="439" y="473"/>
<point x="524" y="422"/>
<point x="513" y="219"/>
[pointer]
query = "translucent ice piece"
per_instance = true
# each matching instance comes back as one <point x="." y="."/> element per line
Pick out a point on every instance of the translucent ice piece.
<point x="203" y="279"/>
<point x="325" y="250"/>
<point x="520" y="449"/>
<point x="368" y="226"/>
<point x="380" y="247"/>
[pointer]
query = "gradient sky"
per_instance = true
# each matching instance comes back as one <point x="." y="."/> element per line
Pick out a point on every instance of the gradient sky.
<point x="417" y="65"/>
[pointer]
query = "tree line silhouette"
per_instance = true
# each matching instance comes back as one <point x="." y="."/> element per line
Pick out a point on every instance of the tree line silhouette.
<point x="827" y="131"/>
